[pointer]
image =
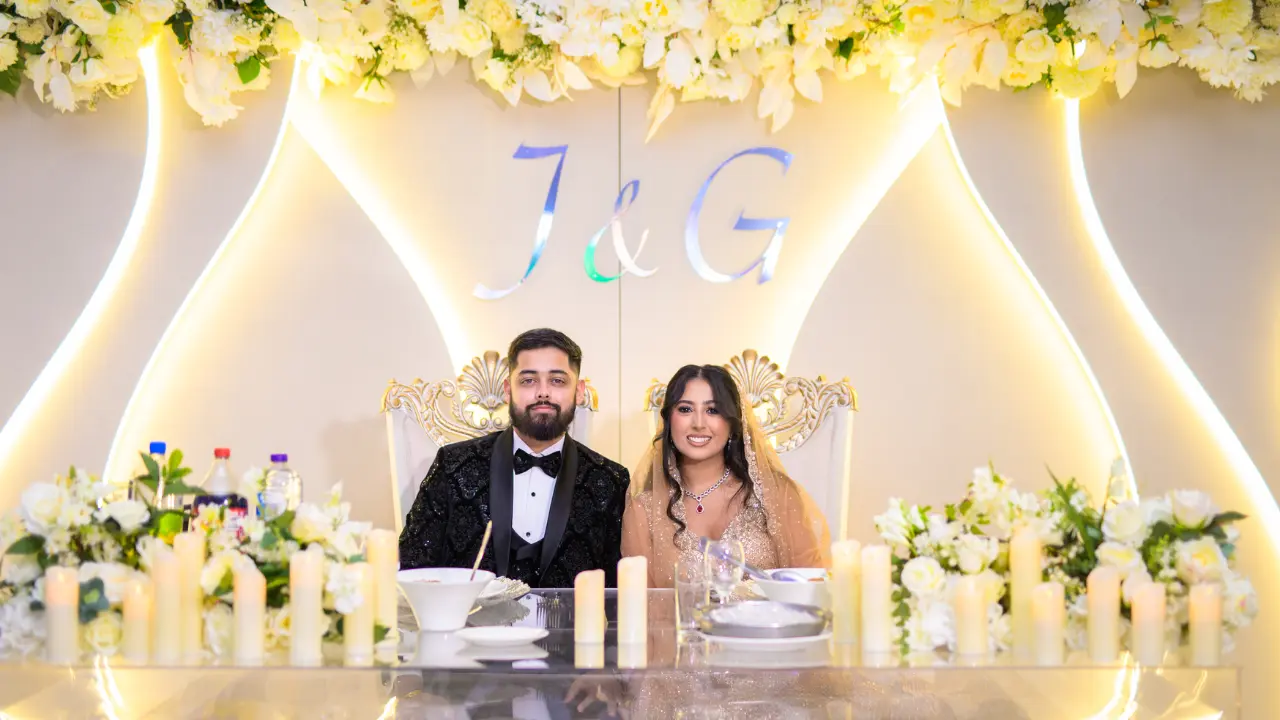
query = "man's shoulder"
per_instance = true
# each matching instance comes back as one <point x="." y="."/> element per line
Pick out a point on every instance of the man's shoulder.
<point x="596" y="463"/>
<point x="482" y="445"/>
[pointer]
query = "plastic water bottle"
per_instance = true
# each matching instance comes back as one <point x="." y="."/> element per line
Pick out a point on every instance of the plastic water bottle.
<point x="281" y="490"/>
<point x="218" y="489"/>
<point x="157" y="450"/>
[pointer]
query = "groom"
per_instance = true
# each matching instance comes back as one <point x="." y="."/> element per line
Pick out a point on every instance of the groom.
<point x="529" y="480"/>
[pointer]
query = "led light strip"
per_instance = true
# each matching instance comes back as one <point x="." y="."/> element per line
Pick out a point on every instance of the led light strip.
<point x="83" y="327"/>
<point x="1112" y="425"/>
<point x="116" y="466"/>
<point x="1219" y="428"/>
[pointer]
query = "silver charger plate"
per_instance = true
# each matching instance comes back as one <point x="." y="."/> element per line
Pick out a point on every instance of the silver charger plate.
<point x="711" y="622"/>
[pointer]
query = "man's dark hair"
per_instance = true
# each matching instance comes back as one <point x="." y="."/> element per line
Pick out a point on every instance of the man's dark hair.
<point x="544" y="338"/>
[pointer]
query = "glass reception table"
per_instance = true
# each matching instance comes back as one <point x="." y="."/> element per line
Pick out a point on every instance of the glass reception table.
<point x="675" y="675"/>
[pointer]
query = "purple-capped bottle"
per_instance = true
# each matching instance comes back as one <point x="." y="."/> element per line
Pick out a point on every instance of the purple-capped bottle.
<point x="281" y="489"/>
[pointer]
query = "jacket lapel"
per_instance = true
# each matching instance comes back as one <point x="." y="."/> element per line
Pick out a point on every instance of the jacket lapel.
<point x="500" y="500"/>
<point x="561" y="503"/>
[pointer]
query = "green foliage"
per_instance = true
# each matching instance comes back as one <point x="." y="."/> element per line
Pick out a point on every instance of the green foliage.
<point x="28" y="545"/>
<point x="249" y="69"/>
<point x="93" y="600"/>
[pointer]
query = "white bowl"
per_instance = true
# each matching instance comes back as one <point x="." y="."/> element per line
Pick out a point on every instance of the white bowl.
<point x="812" y="593"/>
<point x="442" y="598"/>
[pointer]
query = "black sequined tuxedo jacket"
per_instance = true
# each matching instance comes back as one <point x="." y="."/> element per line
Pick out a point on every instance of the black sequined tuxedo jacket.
<point x="470" y="483"/>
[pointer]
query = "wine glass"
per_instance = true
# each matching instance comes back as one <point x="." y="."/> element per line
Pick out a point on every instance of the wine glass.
<point x="724" y="559"/>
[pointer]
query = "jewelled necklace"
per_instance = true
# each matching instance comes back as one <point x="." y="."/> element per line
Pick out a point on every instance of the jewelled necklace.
<point x="699" y="496"/>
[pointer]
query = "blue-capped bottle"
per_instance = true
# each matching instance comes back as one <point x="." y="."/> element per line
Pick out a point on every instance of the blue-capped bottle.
<point x="137" y="491"/>
<point x="281" y="489"/>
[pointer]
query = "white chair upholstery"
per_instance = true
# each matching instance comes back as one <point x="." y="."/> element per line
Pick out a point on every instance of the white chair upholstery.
<point x="809" y="422"/>
<point x="423" y="417"/>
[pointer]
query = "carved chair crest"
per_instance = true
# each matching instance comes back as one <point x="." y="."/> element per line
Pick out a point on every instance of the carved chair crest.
<point x="790" y="409"/>
<point x="468" y="407"/>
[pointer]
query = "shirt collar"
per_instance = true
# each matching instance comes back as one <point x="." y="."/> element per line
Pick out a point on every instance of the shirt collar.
<point x="520" y="445"/>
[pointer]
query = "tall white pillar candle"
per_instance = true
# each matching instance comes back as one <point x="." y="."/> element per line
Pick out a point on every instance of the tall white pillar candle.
<point x="633" y="600"/>
<point x="1205" y="614"/>
<point x="877" y="600"/>
<point x="383" y="552"/>
<point x="357" y="625"/>
<point x="846" y="565"/>
<point x="166" y="633"/>
<point x="1049" y="622"/>
<point x="1103" y="601"/>
<point x="136" y="646"/>
<point x="250" y="610"/>
<point x="588" y="607"/>
<point x="306" y="588"/>
<point x="971" y="616"/>
<point x="190" y="549"/>
<point x="1024" y="575"/>
<point x="62" y="615"/>
<point x="1147" y="611"/>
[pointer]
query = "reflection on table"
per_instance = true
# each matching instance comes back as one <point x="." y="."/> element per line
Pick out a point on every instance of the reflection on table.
<point x="438" y="675"/>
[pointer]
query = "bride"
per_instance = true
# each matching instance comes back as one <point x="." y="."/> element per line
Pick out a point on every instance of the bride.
<point x="710" y="473"/>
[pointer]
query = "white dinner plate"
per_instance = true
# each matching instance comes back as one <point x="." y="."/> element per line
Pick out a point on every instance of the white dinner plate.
<point x="510" y="653"/>
<point x="501" y="636"/>
<point x="768" y="644"/>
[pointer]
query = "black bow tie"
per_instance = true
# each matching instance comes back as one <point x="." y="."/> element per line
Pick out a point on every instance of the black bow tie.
<point x="550" y="464"/>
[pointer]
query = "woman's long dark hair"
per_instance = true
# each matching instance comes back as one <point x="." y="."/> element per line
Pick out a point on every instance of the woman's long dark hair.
<point x="725" y="393"/>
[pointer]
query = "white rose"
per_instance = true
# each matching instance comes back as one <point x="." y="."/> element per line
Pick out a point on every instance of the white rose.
<point x="1192" y="508"/>
<point x="155" y="11"/>
<point x="129" y="514"/>
<point x="311" y="524"/>
<point x="924" y="577"/>
<point x="1123" y="558"/>
<point x="1199" y="561"/>
<point x="40" y="506"/>
<point x="146" y="547"/>
<point x="942" y="532"/>
<point x="114" y="576"/>
<point x="19" y="569"/>
<point x="1123" y="523"/>
<point x="279" y="628"/>
<point x="348" y="539"/>
<point x="892" y="524"/>
<point x="937" y="622"/>
<point x="219" y="624"/>
<point x="1156" y="510"/>
<point x="74" y="513"/>
<point x="975" y="552"/>
<point x="105" y="633"/>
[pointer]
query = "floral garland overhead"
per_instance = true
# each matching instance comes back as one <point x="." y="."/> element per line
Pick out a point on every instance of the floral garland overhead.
<point x="75" y="51"/>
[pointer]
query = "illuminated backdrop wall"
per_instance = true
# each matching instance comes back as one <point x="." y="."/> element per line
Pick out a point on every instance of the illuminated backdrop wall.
<point x="308" y="266"/>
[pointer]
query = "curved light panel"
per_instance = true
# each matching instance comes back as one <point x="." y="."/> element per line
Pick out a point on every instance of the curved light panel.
<point x="115" y="459"/>
<point x="83" y="327"/>
<point x="1255" y="485"/>
<point x="1112" y="425"/>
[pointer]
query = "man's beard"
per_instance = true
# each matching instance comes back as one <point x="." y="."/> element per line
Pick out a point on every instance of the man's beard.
<point x="540" y="427"/>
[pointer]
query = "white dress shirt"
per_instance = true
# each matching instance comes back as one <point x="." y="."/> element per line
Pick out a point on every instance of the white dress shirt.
<point x="531" y="495"/>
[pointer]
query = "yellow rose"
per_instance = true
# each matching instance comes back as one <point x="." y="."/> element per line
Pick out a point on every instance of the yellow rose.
<point x="89" y="15"/>
<point x="470" y="36"/>
<point x="1035" y="48"/>
<point x="788" y="14"/>
<point x="920" y="15"/>
<point x="1071" y="82"/>
<point x="498" y="15"/>
<point x="981" y="11"/>
<point x="629" y="59"/>
<point x="125" y="34"/>
<point x="1226" y="16"/>
<point x="740" y="12"/>
<point x="284" y="38"/>
<point x="421" y="10"/>
<point x="1019" y="24"/>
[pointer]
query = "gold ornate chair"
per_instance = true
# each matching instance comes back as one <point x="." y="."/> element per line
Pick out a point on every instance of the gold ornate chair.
<point x="423" y="417"/>
<point x="809" y="422"/>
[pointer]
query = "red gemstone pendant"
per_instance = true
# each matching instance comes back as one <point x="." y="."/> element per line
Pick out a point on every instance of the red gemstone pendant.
<point x="699" y="508"/>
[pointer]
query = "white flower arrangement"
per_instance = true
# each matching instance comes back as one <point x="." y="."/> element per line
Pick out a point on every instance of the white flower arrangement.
<point x="78" y="522"/>
<point x="1179" y="540"/>
<point x="74" y="51"/>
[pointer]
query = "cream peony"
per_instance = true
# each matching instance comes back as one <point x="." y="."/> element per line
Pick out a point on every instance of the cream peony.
<point x="924" y="577"/>
<point x="1192" y="508"/>
<point x="1199" y="561"/>
<point x="1123" y="523"/>
<point x="40" y="506"/>
<point x="1239" y="602"/>
<point x="104" y="634"/>
<point x="1226" y="16"/>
